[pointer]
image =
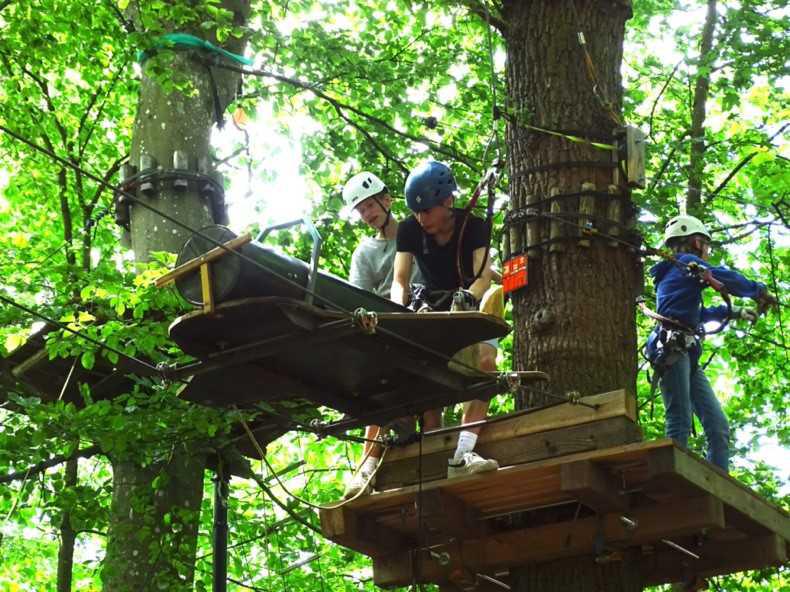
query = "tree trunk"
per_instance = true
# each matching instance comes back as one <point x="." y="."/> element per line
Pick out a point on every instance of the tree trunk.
<point x="575" y="319"/>
<point x="67" y="534"/>
<point x="701" y="88"/>
<point x="153" y="524"/>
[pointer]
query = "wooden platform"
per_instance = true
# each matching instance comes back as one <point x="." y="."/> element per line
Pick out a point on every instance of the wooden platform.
<point x="280" y="349"/>
<point x="642" y="498"/>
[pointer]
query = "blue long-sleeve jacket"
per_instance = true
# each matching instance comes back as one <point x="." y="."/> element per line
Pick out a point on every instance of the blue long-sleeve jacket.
<point x="679" y="293"/>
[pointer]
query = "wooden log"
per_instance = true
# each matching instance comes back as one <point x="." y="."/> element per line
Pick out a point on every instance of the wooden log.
<point x="533" y="229"/>
<point x="565" y="539"/>
<point x="556" y="231"/>
<point x="586" y="210"/>
<point x="614" y="214"/>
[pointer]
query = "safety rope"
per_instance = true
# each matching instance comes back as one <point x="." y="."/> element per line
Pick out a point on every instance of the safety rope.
<point x="303" y="501"/>
<point x="185" y="41"/>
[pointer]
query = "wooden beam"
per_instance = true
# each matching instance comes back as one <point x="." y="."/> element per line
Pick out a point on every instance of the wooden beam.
<point x="566" y="539"/>
<point x="207" y="288"/>
<point x="612" y="404"/>
<point x="592" y="486"/>
<point x="446" y="516"/>
<point x="193" y="264"/>
<point x="525" y="448"/>
<point x="715" y="559"/>
<point x="705" y="477"/>
<point x="355" y="531"/>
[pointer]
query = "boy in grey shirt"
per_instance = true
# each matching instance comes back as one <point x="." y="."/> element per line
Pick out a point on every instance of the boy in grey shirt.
<point x="371" y="269"/>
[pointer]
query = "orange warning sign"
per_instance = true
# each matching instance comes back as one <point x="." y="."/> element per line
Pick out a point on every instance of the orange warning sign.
<point x="514" y="274"/>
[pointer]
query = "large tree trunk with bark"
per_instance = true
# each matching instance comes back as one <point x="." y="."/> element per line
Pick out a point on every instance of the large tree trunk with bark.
<point x="575" y="319"/>
<point x="146" y="551"/>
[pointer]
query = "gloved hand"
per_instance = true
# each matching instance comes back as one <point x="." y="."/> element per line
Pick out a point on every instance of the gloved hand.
<point x="463" y="300"/>
<point x="766" y="300"/>
<point x="747" y="314"/>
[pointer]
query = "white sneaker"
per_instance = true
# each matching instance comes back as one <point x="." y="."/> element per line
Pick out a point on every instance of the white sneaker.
<point x="358" y="482"/>
<point x="471" y="462"/>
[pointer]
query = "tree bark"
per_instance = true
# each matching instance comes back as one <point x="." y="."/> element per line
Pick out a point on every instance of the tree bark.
<point x="68" y="535"/>
<point x="701" y="89"/>
<point x="575" y="319"/>
<point x="154" y="524"/>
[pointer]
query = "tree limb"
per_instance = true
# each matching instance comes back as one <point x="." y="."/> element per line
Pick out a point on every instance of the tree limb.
<point x="477" y="8"/>
<point x="437" y="147"/>
<point x="48" y="464"/>
<point x="742" y="164"/>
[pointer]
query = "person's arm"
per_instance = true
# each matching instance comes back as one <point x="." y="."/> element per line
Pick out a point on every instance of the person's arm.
<point x="481" y="284"/>
<point x="401" y="276"/>
<point x="736" y="284"/>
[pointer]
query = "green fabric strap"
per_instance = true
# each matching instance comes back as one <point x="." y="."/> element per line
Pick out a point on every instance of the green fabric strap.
<point x="187" y="41"/>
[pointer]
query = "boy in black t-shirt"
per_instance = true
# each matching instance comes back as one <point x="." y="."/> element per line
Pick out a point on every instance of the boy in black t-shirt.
<point x="431" y="237"/>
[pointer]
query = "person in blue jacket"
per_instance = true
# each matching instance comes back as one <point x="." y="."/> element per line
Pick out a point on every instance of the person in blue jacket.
<point x="674" y="346"/>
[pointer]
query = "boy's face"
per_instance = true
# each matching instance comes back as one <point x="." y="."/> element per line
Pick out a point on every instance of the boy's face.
<point x="435" y="219"/>
<point x="702" y="245"/>
<point x="373" y="210"/>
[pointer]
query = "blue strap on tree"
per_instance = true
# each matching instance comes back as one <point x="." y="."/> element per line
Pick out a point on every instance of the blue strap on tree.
<point x="187" y="41"/>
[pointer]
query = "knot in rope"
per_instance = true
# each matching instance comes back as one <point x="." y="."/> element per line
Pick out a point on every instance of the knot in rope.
<point x="365" y="320"/>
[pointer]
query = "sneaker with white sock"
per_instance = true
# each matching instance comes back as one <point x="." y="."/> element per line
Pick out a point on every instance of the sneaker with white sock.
<point x="470" y="463"/>
<point x="358" y="482"/>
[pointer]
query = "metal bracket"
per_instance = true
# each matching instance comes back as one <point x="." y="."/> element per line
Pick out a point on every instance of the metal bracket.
<point x="314" y="256"/>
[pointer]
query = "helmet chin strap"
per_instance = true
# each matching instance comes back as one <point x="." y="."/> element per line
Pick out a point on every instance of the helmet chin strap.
<point x="387" y="210"/>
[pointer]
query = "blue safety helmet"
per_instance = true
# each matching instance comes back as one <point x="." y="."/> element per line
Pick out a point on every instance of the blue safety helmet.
<point x="428" y="185"/>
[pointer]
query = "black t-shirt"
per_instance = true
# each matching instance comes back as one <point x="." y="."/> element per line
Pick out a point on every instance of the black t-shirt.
<point x="438" y="263"/>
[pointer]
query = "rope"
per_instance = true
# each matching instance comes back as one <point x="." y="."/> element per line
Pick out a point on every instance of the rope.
<point x="775" y="285"/>
<point x="303" y="501"/>
<point x="185" y="41"/>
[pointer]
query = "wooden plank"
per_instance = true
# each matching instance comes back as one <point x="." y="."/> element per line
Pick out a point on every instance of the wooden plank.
<point x="193" y="264"/>
<point x="592" y="486"/>
<point x="715" y="559"/>
<point x="525" y="448"/>
<point x="612" y="404"/>
<point x="207" y="289"/>
<point x="566" y="539"/>
<point x="705" y="477"/>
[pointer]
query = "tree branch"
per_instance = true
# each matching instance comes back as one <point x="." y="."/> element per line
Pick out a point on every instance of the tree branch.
<point x="437" y="147"/>
<point x="48" y="464"/>
<point x="742" y="164"/>
<point x="477" y="8"/>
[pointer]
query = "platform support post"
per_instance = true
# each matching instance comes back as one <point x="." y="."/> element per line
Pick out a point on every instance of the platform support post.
<point x="220" y="538"/>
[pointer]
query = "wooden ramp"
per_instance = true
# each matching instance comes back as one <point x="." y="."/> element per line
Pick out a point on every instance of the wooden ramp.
<point x="677" y="513"/>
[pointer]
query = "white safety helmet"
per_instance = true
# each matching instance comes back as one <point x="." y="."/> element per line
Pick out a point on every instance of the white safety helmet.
<point x="681" y="226"/>
<point x="360" y="187"/>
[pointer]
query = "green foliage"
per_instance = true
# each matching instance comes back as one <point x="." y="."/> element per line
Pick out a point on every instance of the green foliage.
<point x="361" y="82"/>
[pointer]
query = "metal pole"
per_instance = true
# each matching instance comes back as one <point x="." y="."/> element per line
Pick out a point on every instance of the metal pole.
<point x="220" y="542"/>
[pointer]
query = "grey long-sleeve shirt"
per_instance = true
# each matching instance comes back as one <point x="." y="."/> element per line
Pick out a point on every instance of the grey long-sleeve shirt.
<point x="372" y="265"/>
